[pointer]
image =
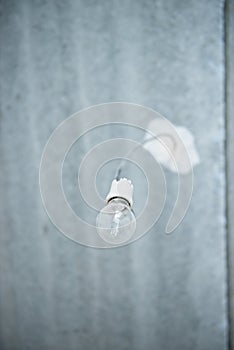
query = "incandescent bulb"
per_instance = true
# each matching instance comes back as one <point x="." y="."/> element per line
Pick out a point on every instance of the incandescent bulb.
<point x="116" y="222"/>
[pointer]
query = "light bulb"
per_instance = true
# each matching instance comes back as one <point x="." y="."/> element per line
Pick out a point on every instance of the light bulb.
<point x="116" y="222"/>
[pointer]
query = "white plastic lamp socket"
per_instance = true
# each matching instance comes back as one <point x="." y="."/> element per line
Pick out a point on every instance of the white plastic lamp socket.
<point x="122" y="188"/>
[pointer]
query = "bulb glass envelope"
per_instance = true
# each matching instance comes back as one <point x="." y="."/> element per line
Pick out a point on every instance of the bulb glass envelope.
<point x="116" y="222"/>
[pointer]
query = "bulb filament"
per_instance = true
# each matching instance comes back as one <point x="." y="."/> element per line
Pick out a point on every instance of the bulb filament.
<point x="115" y="224"/>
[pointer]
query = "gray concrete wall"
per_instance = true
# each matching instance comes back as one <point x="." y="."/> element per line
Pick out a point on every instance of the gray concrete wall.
<point x="161" y="292"/>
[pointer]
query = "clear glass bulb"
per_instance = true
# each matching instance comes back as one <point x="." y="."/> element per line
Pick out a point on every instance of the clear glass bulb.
<point x="116" y="222"/>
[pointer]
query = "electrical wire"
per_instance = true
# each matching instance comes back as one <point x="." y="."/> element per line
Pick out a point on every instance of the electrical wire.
<point x="124" y="160"/>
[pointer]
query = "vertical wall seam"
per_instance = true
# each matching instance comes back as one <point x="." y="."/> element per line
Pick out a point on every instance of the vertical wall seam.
<point x="226" y="9"/>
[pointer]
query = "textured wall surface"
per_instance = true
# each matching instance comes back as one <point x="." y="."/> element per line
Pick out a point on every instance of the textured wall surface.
<point x="162" y="292"/>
